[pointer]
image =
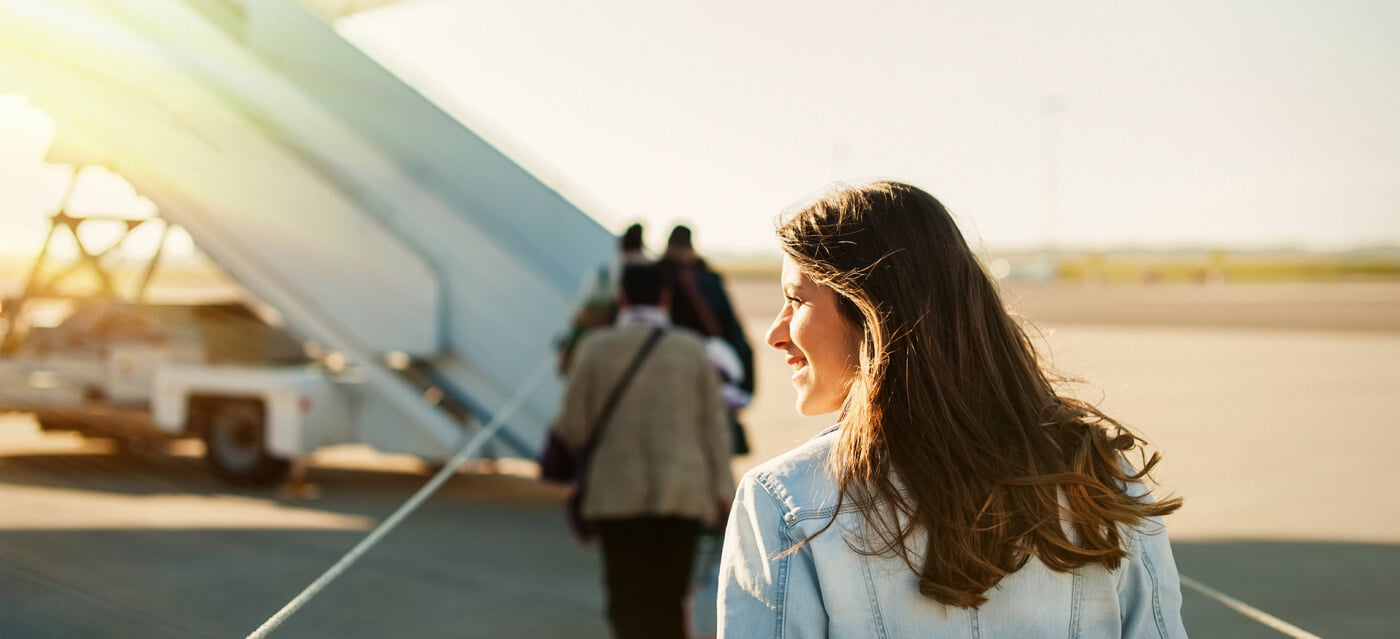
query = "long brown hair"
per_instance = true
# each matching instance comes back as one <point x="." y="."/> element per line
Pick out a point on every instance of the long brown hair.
<point x="953" y="428"/>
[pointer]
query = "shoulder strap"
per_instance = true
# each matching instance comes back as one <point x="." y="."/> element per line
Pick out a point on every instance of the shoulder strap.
<point x="606" y="413"/>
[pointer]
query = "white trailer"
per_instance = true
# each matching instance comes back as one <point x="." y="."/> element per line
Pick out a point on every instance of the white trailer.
<point x="378" y="227"/>
<point x="101" y="359"/>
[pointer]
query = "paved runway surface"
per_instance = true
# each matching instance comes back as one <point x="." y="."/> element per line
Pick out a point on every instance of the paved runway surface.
<point x="1277" y="425"/>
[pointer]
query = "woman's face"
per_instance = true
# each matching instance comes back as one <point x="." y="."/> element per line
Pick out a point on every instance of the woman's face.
<point x="822" y="347"/>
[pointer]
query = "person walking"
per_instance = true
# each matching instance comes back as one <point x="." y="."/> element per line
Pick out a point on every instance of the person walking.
<point x="599" y="305"/>
<point x="960" y="493"/>
<point x="659" y="470"/>
<point x="702" y="304"/>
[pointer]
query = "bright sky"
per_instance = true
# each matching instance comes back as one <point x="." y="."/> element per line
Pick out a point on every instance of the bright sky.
<point x="32" y="188"/>
<point x="1229" y="122"/>
<point x="1235" y="123"/>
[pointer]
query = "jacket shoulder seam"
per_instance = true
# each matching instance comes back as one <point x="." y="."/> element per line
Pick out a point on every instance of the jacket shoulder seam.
<point x="791" y="516"/>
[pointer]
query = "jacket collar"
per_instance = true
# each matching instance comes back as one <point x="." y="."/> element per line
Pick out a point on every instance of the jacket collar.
<point x="640" y="315"/>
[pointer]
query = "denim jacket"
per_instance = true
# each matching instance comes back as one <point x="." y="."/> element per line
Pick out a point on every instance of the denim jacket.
<point x="825" y="589"/>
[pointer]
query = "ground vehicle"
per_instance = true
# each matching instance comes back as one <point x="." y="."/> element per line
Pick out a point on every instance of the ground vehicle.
<point x="111" y="364"/>
<point x="96" y="373"/>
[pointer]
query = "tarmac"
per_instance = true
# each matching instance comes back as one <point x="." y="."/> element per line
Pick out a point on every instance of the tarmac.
<point x="1272" y="406"/>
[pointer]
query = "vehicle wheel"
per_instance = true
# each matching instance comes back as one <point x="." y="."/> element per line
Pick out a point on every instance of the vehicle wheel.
<point x="51" y="423"/>
<point x="234" y="446"/>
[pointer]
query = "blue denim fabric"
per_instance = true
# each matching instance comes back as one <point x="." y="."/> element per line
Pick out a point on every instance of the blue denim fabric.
<point x="825" y="589"/>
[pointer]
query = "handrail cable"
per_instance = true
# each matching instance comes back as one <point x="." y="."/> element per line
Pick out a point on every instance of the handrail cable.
<point x="472" y="445"/>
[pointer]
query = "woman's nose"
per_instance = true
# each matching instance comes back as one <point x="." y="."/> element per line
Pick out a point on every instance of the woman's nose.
<point x="777" y="336"/>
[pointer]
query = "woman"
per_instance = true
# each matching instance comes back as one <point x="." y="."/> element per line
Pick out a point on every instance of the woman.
<point x="959" y="495"/>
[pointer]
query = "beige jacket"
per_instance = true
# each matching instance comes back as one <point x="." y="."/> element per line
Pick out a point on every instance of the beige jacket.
<point x="666" y="449"/>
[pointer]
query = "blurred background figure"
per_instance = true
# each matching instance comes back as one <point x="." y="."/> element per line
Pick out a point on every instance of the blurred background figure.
<point x="632" y="249"/>
<point x="659" y="470"/>
<point x="599" y="307"/>
<point x="702" y="304"/>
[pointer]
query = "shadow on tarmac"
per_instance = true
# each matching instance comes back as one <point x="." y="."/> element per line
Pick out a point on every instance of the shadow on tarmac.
<point x="488" y="556"/>
<point x="98" y="468"/>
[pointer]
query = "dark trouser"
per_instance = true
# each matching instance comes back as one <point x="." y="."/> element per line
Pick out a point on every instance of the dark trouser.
<point x="646" y="565"/>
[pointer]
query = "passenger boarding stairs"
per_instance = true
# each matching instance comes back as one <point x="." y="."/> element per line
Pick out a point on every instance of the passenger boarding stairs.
<point x="374" y="222"/>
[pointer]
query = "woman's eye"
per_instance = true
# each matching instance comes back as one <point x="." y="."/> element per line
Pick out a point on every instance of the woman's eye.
<point x="794" y="301"/>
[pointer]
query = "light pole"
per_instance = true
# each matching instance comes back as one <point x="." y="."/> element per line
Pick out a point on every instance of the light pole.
<point x="1051" y="106"/>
